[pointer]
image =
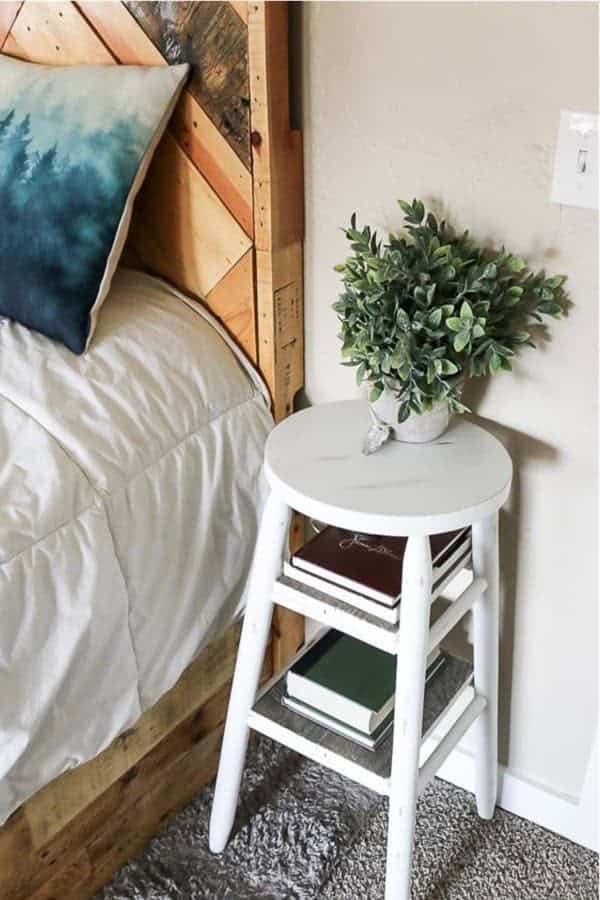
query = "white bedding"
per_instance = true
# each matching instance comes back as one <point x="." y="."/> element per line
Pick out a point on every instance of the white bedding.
<point x="130" y="492"/>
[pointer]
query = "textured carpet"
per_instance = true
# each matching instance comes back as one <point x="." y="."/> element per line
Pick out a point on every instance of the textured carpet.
<point x="303" y="832"/>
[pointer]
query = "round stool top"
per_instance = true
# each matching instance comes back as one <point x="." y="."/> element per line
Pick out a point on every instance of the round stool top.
<point x="314" y="461"/>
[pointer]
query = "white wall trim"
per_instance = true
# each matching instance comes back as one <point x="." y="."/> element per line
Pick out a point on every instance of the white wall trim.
<point x="575" y="819"/>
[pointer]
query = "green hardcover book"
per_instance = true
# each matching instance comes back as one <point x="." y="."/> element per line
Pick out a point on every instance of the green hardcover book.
<point x="346" y="679"/>
<point x="368" y="741"/>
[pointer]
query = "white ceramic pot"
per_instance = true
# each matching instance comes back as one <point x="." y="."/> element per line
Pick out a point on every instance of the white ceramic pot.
<point x="417" y="429"/>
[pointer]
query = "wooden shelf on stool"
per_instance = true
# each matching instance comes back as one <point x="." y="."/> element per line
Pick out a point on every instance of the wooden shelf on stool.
<point x="370" y="768"/>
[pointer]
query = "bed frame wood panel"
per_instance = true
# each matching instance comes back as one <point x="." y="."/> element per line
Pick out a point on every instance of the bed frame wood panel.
<point x="220" y="215"/>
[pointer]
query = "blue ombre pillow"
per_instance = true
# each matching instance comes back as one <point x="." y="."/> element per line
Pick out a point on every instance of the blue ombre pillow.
<point x="75" y="144"/>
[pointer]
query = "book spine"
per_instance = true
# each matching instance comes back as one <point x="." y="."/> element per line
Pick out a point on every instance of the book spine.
<point x="447" y="564"/>
<point x="370" y="594"/>
<point x="349" y="583"/>
<point x="329" y="702"/>
<point x="389" y="614"/>
<point x="334" y="725"/>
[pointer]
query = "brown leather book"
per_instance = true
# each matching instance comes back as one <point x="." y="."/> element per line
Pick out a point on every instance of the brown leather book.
<point x="369" y="564"/>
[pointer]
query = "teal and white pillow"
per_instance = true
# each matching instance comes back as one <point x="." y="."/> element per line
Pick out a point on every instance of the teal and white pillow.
<point x="75" y="144"/>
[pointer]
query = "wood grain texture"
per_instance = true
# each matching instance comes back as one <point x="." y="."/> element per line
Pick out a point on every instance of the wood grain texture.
<point x="232" y="300"/>
<point x="54" y="34"/>
<point x="45" y="823"/>
<point x="47" y="811"/>
<point x="117" y="822"/>
<point x="241" y="8"/>
<point x="8" y="14"/>
<point x="194" y="225"/>
<point x="86" y="853"/>
<point x="181" y="230"/>
<point x="278" y="221"/>
<point x="212" y="37"/>
<point x="278" y="233"/>
<point x="190" y="125"/>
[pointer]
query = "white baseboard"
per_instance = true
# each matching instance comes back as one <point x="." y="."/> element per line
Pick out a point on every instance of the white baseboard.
<point x="575" y="819"/>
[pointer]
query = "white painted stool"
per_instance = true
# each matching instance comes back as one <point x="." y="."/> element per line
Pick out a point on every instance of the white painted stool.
<point x="314" y="464"/>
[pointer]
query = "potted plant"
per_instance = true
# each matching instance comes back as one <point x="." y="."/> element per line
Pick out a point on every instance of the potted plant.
<point x="427" y="309"/>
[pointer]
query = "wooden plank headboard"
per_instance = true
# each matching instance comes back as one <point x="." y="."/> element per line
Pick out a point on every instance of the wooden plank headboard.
<point x="220" y="213"/>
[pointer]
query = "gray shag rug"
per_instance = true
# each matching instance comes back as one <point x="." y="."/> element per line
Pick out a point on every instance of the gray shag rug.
<point x="304" y="832"/>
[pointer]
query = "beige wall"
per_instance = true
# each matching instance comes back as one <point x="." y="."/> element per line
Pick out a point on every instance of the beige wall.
<point x="458" y="103"/>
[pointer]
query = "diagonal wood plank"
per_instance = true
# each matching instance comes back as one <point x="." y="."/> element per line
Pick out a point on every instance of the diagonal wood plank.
<point x="54" y="34"/>
<point x="214" y="39"/>
<point x="241" y="8"/>
<point x="180" y="227"/>
<point x="190" y="125"/>
<point x="121" y="33"/>
<point x="8" y="14"/>
<point x="232" y="300"/>
<point x="215" y="159"/>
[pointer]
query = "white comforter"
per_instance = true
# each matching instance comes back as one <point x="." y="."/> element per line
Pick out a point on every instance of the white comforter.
<point x="130" y="491"/>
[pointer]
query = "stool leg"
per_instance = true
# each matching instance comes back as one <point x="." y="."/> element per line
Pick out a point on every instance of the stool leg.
<point x="486" y="617"/>
<point x="266" y="567"/>
<point x="410" y="686"/>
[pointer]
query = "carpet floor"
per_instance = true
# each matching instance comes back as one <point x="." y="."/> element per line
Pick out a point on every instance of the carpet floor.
<point x="303" y="832"/>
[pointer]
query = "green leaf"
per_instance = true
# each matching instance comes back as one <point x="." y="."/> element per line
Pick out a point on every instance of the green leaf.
<point x="419" y="211"/>
<point x="402" y="318"/>
<point x="550" y="309"/>
<point x="457" y="407"/>
<point x="375" y="392"/>
<point x="477" y="331"/>
<point x="465" y="311"/>
<point x="454" y="323"/>
<point x="495" y="363"/>
<point x="405" y="207"/>
<point x="403" y="411"/>
<point x="340" y="267"/>
<point x="361" y="373"/>
<point x="521" y="337"/>
<point x="432" y="222"/>
<point x="516" y="263"/>
<point x="435" y="317"/>
<point x="490" y="271"/>
<point x="461" y="340"/>
<point x="556" y="281"/>
<point x="448" y="367"/>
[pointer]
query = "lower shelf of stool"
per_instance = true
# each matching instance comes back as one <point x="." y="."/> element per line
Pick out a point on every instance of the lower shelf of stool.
<point x="369" y="768"/>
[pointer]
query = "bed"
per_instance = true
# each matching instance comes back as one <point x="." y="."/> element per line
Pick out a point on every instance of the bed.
<point x="130" y="477"/>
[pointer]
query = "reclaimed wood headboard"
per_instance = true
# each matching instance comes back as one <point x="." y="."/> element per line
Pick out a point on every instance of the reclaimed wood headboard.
<point x="220" y="213"/>
<point x="220" y="216"/>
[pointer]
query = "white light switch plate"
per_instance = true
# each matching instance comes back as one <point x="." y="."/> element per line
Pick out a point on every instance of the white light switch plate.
<point x="575" y="181"/>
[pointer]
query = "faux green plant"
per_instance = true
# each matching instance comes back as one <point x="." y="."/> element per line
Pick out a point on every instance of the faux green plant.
<point x="426" y="309"/>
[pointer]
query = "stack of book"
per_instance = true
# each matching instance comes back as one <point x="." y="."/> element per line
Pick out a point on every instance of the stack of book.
<point x="348" y="687"/>
<point x="342" y="683"/>
<point x="365" y="570"/>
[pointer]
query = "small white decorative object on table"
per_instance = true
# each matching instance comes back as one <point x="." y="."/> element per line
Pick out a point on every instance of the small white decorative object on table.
<point x="418" y="428"/>
<point x="315" y="465"/>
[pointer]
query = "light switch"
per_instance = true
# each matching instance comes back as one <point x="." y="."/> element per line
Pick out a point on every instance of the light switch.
<point x="575" y="181"/>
